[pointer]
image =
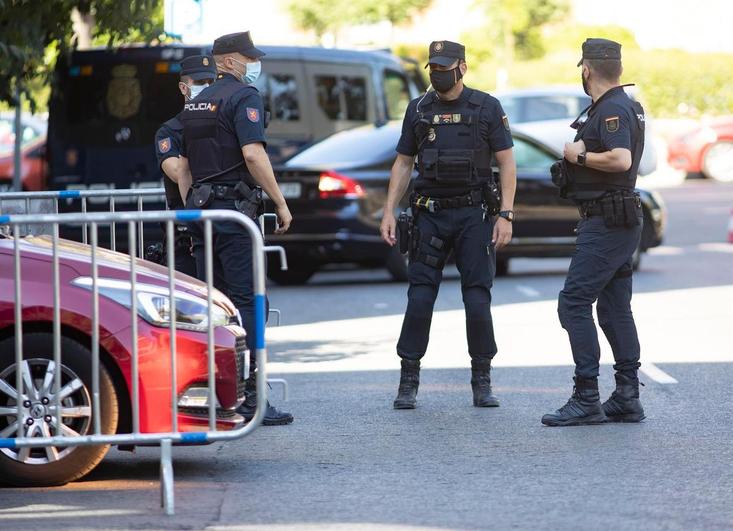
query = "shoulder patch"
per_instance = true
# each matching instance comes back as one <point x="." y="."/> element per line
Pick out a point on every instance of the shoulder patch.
<point x="164" y="145"/>
<point x="505" y="121"/>
<point x="253" y="114"/>
<point x="612" y="124"/>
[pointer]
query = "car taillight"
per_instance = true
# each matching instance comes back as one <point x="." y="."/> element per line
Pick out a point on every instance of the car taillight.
<point x="333" y="184"/>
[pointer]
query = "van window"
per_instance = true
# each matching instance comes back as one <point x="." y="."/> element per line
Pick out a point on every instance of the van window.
<point x="280" y="95"/>
<point x="397" y="93"/>
<point x="342" y="98"/>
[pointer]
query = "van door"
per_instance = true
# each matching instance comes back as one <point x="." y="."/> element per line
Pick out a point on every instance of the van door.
<point x="342" y="96"/>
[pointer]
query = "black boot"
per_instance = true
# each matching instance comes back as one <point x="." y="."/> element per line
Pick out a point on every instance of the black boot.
<point x="481" y="384"/>
<point x="409" y="382"/>
<point x="584" y="406"/>
<point x="624" y="404"/>
<point x="273" y="416"/>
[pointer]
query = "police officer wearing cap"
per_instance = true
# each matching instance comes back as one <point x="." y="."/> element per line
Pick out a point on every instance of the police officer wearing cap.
<point x="197" y="73"/>
<point x="599" y="173"/>
<point x="224" y="147"/>
<point x="454" y="131"/>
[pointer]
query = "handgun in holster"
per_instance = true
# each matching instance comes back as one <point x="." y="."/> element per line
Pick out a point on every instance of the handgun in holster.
<point x="250" y="199"/>
<point x="492" y="198"/>
<point x="560" y="177"/>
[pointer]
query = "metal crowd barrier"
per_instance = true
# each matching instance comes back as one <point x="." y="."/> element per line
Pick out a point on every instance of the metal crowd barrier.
<point x="135" y="437"/>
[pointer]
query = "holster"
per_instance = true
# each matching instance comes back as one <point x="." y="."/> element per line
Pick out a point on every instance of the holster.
<point x="492" y="198"/>
<point x="404" y="229"/>
<point x="250" y="200"/>
<point x="560" y="178"/>
<point x="201" y="196"/>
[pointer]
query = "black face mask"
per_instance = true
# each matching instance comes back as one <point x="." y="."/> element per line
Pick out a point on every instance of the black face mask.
<point x="444" y="80"/>
<point x="585" y="83"/>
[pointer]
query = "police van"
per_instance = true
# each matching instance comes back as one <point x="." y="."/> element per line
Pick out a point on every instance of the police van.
<point x="107" y="104"/>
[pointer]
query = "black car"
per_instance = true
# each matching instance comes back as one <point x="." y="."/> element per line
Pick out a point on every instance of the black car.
<point x="336" y="191"/>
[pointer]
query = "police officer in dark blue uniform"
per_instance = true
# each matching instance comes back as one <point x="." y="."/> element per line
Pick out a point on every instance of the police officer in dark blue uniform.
<point x="197" y="73"/>
<point x="224" y="147"/>
<point x="599" y="173"/>
<point x="455" y="132"/>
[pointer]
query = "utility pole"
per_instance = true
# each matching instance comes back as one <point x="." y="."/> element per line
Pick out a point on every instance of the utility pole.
<point x="17" y="184"/>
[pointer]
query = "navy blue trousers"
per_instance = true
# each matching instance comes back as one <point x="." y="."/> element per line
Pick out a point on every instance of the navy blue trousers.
<point x="600" y="270"/>
<point x="468" y="235"/>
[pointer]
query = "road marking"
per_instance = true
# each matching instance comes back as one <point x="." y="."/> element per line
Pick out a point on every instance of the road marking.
<point x="529" y="292"/>
<point x="666" y="250"/>
<point x="716" y="247"/>
<point x="657" y="374"/>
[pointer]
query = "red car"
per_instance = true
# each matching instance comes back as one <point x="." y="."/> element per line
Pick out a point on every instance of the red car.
<point x="54" y="466"/>
<point x="33" y="165"/>
<point x="707" y="149"/>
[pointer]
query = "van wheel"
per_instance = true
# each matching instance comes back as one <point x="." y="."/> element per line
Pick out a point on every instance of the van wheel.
<point x="396" y="264"/>
<point x="298" y="272"/>
<point x="51" y="466"/>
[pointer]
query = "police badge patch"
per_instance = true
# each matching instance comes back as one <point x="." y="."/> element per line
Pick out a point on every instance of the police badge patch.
<point x="164" y="145"/>
<point x="253" y="114"/>
<point x="612" y="124"/>
<point x="505" y="121"/>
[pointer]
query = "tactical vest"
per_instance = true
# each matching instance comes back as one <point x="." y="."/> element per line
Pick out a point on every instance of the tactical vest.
<point x="212" y="147"/>
<point x="451" y="152"/>
<point x="587" y="183"/>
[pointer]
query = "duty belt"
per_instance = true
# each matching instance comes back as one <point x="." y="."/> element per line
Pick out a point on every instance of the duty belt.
<point x="588" y="209"/>
<point x="223" y="191"/>
<point x="473" y="198"/>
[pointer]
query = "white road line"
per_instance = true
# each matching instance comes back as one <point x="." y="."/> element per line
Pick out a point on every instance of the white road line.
<point x="529" y="292"/>
<point x="657" y="374"/>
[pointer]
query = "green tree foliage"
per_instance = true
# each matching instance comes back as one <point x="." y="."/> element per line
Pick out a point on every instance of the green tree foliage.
<point x="33" y="33"/>
<point x="324" y="16"/>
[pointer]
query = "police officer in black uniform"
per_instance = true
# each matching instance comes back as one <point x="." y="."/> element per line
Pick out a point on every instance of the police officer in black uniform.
<point x="454" y="131"/>
<point x="224" y="147"/>
<point x="197" y="73"/>
<point x="599" y="173"/>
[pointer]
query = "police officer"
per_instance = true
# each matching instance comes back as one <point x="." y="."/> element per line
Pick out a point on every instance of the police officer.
<point x="454" y="131"/>
<point x="599" y="173"/>
<point x="224" y="147"/>
<point x="197" y="73"/>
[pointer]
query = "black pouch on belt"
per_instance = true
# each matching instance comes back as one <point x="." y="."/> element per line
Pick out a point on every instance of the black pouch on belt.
<point x="201" y="196"/>
<point x="631" y="209"/>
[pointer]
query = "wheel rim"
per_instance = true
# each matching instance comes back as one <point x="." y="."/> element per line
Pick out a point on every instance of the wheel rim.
<point x="38" y="409"/>
<point x="719" y="161"/>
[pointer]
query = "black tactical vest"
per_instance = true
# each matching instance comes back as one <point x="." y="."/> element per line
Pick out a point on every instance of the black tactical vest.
<point x="212" y="147"/>
<point x="587" y="184"/>
<point x="451" y="152"/>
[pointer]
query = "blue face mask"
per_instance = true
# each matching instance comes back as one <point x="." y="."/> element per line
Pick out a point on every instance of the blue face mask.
<point x="196" y="90"/>
<point x="251" y="71"/>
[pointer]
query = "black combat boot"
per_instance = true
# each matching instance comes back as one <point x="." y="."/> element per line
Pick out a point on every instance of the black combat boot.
<point x="273" y="416"/>
<point x="624" y="404"/>
<point x="481" y="384"/>
<point x="584" y="406"/>
<point x="409" y="382"/>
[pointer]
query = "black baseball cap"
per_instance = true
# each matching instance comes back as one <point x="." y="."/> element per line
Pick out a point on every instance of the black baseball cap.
<point x="198" y="67"/>
<point x="236" y="43"/>
<point x="600" y="49"/>
<point x="445" y="53"/>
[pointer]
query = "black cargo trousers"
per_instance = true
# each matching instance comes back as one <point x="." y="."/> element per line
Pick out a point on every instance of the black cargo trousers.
<point x="601" y="270"/>
<point x="467" y="232"/>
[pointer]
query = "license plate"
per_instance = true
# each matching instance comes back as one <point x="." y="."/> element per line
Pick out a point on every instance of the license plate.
<point x="290" y="190"/>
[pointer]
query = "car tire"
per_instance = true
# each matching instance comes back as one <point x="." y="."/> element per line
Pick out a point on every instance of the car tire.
<point x="396" y="264"/>
<point x="42" y="467"/>
<point x="298" y="272"/>
<point x="717" y="162"/>
<point x="502" y="267"/>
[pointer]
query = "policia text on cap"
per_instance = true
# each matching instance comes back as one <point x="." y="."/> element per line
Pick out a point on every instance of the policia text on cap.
<point x="224" y="156"/>
<point x="453" y="131"/>
<point x="599" y="173"/>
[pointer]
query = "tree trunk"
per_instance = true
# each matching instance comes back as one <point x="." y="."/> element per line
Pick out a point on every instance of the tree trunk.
<point x="83" y="23"/>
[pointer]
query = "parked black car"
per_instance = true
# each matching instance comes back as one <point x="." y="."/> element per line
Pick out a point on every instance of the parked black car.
<point x="336" y="191"/>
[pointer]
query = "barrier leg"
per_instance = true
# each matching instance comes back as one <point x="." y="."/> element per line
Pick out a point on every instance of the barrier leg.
<point x="167" y="501"/>
<point x="284" y="383"/>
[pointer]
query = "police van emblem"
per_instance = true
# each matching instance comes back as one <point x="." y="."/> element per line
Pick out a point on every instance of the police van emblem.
<point x="164" y="144"/>
<point x="124" y="94"/>
<point x="253" y="114"/>
<point x="437" y="46"/>
<point x="505" y="121"/>
<point x="431" y="135"/>
<point x="612" y="124"/>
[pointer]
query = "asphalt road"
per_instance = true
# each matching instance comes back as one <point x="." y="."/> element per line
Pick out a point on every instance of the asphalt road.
<point x="350" y="461"/>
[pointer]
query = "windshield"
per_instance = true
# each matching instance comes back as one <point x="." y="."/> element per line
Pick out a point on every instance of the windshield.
<point x="7" y="135"/>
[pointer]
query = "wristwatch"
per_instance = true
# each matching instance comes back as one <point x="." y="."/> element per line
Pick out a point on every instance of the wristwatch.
<point x="581" y="158"/>
<point x="507" y="215"/>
